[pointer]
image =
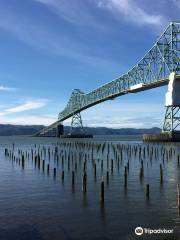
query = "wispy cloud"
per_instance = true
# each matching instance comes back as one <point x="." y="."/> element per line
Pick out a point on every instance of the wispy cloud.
<point x="23" y="114"/>
<point x="28" y="120"/>
<point x="124" y="122"/>
<point x="50" y="42"/>
<point x="6" y="89"/>
<point x="122" y="114"/>
<point x="73" y="11"/>
<point x="105" y="115"/>
<point x="77" y="11"/>
<point x="65" y="9"/>
<point x="177" y="3"/>
<point x="131" y="11"/>
<point x="29" y="105"/>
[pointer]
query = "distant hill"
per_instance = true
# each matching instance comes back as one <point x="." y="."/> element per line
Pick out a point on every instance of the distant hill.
<point x="9" y="130"/>
<point x="121" y="131"/>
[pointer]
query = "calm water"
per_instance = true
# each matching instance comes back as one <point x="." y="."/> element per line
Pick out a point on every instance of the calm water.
<point x="37" y="205"/>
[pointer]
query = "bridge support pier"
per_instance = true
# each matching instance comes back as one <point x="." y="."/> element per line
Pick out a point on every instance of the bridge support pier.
<point x="172" y="115"/>
<point x="77" y="125"/>
<point x="77" y="130"/>
<point x="172" y="119"/>
<point x="59" y="130"/>
<point x="171" y="125"/>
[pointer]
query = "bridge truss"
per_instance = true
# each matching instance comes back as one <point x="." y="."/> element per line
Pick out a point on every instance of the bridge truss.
<point x="151" y="71"/>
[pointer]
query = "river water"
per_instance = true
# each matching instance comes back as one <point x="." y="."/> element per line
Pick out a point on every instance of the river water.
<point x="41" y="204"/>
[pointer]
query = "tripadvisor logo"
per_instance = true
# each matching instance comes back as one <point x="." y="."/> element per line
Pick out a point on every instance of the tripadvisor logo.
<point x="139" y="231"/>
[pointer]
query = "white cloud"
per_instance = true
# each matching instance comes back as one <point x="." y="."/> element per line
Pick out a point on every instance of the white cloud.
<point x="6" y="89"/>
<point x="130" y="10"/>
<point x="8" y="115"/>
<point x="29" y="105"/>
<point x="28" y="120"/>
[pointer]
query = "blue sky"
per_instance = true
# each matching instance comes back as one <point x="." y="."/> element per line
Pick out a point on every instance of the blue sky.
<point x="49" y="47"/>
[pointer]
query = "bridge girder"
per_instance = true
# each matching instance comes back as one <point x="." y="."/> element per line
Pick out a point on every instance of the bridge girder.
<point x="154" y="68"/>
<point x="151" y="71"/>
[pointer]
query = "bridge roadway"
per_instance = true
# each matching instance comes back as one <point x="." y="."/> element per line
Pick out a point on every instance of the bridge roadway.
<point x="151" y="71"/>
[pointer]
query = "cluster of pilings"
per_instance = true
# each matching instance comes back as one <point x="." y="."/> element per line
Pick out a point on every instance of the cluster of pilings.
<point x="100" y="159"/>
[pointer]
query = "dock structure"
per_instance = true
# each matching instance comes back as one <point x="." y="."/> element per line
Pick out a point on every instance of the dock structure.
<point x="77" y="136"/>
<point x="162" y="137"/>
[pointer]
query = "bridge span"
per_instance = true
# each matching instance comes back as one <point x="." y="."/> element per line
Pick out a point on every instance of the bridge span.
<point x="153" y="70"/>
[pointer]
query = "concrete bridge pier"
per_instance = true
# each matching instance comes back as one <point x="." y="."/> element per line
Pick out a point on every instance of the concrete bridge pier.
<point x="171" y="126"/>
<point x="172" y="116"/>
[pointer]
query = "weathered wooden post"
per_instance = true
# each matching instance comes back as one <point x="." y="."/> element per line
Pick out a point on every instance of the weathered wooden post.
<point x="102" y="191"/>
<point x="112" y="165"/>
<point x="125" y="176"/>
<point x="147" y="190"/>
<point x="22" y="161"/>
<point x="161" y="173"/>
<point x="43" y="163"/>
<point x="141" y="174"/>
<point x="84" y="180"/>
<point x="54" y="172"/>
<point x="72" y="178"/>
<point x="178" y="161"/>
<point x="178" y="196"/>
<point x="95" y="170"/>
<point x="62" y="176"/>
<point x="107" y="177"/>
<point x="48" y="168"/>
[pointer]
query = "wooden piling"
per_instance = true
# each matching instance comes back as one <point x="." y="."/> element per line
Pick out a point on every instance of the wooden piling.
<point x="62" y="176"/>
<point x="178" y="161"/>
<point x="147" y="190"/>
<point x="48" y="168"/>
<point x="94" y="170"/>
<point x="73" y="178"/>
<point x="43" y="164"/>
<point x="178" y="196"/>
<point x="107" y="177"/>
<point x="102" y="191"/>
<point x="161" y="173"/>
<point x="125" y="176"/>
<point x="84" y="181"/>
<point x="112" y="165"/>
<point x="141" y="173"/>
<point x="54" y="172"/>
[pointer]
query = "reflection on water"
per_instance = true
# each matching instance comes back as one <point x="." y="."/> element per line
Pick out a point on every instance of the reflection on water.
<point x="87" y="189"/>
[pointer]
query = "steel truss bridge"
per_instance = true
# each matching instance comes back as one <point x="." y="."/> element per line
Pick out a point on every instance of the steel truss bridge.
<point x="151" y="71"/>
